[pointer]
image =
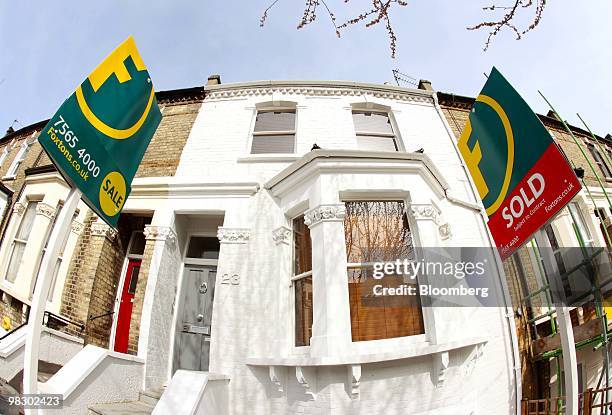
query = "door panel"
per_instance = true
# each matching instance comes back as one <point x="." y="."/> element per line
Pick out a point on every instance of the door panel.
<point x="122" y="332"/>
<point x="192" y="342"/>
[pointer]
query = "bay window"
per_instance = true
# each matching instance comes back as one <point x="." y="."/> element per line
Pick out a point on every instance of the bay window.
<point x="378" y="231"/>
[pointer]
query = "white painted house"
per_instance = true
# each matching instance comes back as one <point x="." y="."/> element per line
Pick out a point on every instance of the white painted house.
<point x="252" y="304"/>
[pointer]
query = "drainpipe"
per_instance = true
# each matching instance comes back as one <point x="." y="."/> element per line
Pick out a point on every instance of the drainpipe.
<point x="509" y="314"/>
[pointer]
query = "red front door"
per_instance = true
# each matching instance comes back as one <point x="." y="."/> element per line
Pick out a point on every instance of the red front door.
<point x="122" y="334"/>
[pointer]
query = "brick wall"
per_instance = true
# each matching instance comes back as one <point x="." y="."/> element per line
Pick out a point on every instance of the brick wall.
<point x="458" y="116"/>
<point x="164" y="152"/>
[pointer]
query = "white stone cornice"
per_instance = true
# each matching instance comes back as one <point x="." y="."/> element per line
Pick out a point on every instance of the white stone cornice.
<point x="19" y="208"/>
<point x="45" y="210"/>
<point x="76" y="227"/>
<point x="233" y="235"/>
<point x="159" y="233"/>
<point x="282" y="235"/>
<point x="319" y="89"/>
<point x="102" y="229"/>
<point x="325" y="213"/>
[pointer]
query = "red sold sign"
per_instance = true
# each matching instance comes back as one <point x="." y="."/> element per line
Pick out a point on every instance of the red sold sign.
<point x="521" y="176"/>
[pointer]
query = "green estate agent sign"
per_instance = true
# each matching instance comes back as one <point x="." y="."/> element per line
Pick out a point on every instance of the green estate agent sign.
<point x="522" y="177"/>
<point x="100" y="133"/>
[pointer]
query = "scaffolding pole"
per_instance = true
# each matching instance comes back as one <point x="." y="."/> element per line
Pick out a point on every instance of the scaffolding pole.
<point x="598" y="302"/>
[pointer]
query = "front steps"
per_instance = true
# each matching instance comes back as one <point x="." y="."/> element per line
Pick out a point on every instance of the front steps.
<point x="143" y="406"/>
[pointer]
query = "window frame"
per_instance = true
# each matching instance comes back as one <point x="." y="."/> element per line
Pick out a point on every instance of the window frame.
<point x="253" y="133"/>
<point x="374" y="196"/>
<point x="578" y="223"/>
<point x="11" y="173"/>
<point x="199" y="261"/>
<point x="599" y="160"/>
<point x="394" y="136"/>
<point x="294" y="278"/>
<point x="60" y="257"/>
<point x="128" y="251"/>
<point x="14" y="239"/>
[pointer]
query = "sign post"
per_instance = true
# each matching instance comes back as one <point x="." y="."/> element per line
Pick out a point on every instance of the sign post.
<point x="523" y="181"/>
<point x="96" y="140"/>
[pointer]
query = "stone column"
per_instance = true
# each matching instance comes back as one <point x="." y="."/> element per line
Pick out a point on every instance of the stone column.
<point x="157" y="285"/>
<point x="428" y="234"/>
<point x="283" y="244"/>
<point x="331" y="328"/>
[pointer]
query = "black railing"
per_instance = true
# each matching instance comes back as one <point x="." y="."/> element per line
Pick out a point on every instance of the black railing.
<point x="53" y="320"/>
<point x="92" y="317"/>
<point x="13" y="330"/>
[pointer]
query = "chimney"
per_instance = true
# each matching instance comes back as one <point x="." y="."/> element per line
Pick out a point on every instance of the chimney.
<point x="425" y="85"/>
<point x="214" y="80"/>
<point x="10" y="130"/>
<point x="552" y="114"/>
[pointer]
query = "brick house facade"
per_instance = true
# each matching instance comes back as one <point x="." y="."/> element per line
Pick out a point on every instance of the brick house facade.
<point x="90" y="288"/>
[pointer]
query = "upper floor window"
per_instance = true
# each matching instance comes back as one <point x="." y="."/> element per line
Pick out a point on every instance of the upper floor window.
<point x="4" y="154"/>
<point x="60" y="257"/>
<point x="274" y="132"/>
<point x="599" y="159"/>
<point x="378" y="231"/>
<point x="20" y="241"/>
<point x="23" y="150"/>
<point x="302" y="281"/>
<point x="374" y="131"/>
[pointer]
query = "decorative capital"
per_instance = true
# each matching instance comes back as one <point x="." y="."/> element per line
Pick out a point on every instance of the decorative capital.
<point x="159" y="233"/>
<point x="233" y="235"/>
<point x="19" y="208"/>
<point x="325" y="213"/>
<point x="77" y="227"/>
<point x="282" y="235"/>
<point x="45" y="210"/>
<point x="445" y="231"/>
<point x="425" y="212"/>
<point x="102" y="229"/>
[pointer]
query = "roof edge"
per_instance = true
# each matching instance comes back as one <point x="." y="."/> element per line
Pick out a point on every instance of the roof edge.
<point x="466" y="103"/>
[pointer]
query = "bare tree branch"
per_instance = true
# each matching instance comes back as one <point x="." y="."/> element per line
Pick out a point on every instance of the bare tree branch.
<point x="508" y="18"/>
<point x="380" y="14"/>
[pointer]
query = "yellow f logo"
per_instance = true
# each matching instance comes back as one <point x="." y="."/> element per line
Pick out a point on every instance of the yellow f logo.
<point x="114" y="64"/>
<point x="473" y="156"/>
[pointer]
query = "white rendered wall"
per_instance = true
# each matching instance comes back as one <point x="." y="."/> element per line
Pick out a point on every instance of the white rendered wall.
<point x="253" y="314"/>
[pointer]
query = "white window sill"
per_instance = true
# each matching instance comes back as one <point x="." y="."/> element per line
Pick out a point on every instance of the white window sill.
<point x="304" y="368"/>
<point x="9" y="177"/>
<point x="417" y="350"/>
<point x="268" y="158"/>
<point x="9" y="288"/>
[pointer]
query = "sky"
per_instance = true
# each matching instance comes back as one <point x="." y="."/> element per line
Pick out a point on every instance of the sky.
<point x="47" y="48"/>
